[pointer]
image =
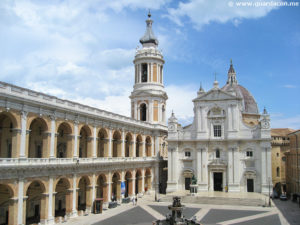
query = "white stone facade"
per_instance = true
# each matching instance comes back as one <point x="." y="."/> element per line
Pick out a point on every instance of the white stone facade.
<point x="227" y="147"/>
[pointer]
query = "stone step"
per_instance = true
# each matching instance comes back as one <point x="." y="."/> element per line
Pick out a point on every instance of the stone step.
<point x="216" y="200"/>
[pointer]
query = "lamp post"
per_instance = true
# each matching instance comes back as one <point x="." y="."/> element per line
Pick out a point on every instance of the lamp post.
<point x="269" y="179"/>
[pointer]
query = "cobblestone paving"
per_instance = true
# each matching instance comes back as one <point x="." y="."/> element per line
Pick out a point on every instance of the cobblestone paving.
<point x="148" y="211"/>
<point x="219" y="215"/>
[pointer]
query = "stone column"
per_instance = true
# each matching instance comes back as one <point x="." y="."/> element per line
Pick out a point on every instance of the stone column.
<point x="94" y="141"/>
<point x="123" y="144"/>
<point x="75" y="150"/>
<point x="230" y="166"/>
<point x="151" y="111"/>
<point x="110" y="143"/>
<point x="156" y="146"/>
<point x="170" y="164"/>
<point x="20" y="200"/>
<point x="23" y="133"/>
<point x="50" y="219"/>
<point x="199" y="165"/>
<point x="263" y="166"/>
<point x="133" y="186"/>
<point x="230" y="117"/>
<point x="74" y="210"/>
<point x="52" y="137"/>
<point x="152" y="146"/>
<point x="93" y="189"/>
<point x="109" y="187"/>
<point x="144" y="146"/>
<point x="143" y="180"/>
<point x="134" y="145"/>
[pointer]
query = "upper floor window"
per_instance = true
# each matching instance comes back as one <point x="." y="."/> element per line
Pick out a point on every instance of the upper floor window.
<point x="217" y="153"/>
<point x="277" y="154"/>
<point x="143" y="112"/>
<point x="217" y="131"/>
<point x="277" y="171"/>
<point x="187" y="154"/>
<point x="144" y="72"/>
<point x="249" y="154"/>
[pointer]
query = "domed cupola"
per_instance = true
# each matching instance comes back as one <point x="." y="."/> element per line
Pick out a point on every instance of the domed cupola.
<point x="149" y="37"/>
<point x="249" y="103"/>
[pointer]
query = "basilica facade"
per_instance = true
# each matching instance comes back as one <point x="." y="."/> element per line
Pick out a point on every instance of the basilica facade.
<point x="226" y="148"/>
<point x="57" y="156"/>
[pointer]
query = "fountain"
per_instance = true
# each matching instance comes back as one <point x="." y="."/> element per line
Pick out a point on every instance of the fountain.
<point x="177" y="217"/>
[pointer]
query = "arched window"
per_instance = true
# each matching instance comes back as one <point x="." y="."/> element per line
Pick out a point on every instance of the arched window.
<point x="143" y="112"/>
<point x="217" y="153"/>
<point x="144" y="72"/>
<point x="277" y="171"/>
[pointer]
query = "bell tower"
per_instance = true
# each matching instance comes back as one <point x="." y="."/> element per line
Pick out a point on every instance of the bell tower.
<point x="148" y="98"/>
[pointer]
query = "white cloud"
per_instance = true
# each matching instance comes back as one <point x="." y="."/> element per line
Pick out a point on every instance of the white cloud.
<point x="202" y="12"/>
<point x="180" y="101"/>
<point x="287" y="122"/>
<point x="289" y="86"/>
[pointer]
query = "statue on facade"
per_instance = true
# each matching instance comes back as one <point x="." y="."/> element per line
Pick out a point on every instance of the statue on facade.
<point x="194" y="180"/>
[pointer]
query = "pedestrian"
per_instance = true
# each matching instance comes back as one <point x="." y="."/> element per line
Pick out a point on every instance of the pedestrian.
<point x="136" y="200"/>
<point x="133" y="201"/>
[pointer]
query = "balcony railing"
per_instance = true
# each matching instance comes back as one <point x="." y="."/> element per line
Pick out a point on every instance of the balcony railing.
<point x="70" y="161"/>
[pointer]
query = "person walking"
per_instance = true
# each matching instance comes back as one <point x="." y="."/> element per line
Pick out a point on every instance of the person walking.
<point x="133" y="201"/>
<point x="136" y="200"/>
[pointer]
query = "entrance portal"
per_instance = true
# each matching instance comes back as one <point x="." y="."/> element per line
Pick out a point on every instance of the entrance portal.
<point x="250" y="185"/>
<point x="218" y="180"/>
<point x="187" y="183"/>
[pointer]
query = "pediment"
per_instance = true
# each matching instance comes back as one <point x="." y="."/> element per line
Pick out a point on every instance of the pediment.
<point x="216" y="95"/>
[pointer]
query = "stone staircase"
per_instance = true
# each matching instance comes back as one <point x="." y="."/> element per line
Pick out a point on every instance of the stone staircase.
<point x="216" y="200"/>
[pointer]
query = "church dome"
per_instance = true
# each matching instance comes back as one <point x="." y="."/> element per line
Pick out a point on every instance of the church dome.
<point x="249" y="102"/>
<point x="232" y="85"/>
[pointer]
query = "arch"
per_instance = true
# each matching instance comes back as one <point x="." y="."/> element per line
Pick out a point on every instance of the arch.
<point x="138" y="181"/>
<point x="84" y="194"/>
<point x="8" y="141"/>
<point x="102" y="187"/>
<point x="85" y="142"/>
<point x="64" y="141"/>
<point x="143" y="112"/>
<point x="138" y="146"/>
<point x="63" y="197"/>
<point x="36" y="202"/>
<point x="128" y="145"/>
<point x="148" y="146"/>
<point x="7" y="205"/>
<point x="128" y="184"/>
<point x="148" y="179"/>
<point x="102" y="150"/>
<point x="38" y="139"/>
<point x="116" y="186"/>
<point x="116" y="144"/>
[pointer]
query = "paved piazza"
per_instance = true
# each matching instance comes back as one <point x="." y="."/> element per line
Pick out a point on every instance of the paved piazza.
<point x="147" y="211"/>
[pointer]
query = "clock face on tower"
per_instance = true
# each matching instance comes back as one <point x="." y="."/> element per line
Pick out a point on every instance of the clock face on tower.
<point x="265" y="124"/>
<point x="171" y="127"/>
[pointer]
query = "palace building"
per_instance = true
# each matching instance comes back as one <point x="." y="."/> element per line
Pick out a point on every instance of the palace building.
<point x="58" y="156"/>
<point x="228" y="145"/>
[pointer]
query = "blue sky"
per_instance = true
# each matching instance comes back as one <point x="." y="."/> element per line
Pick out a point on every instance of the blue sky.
<point x="83" y="50"/>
